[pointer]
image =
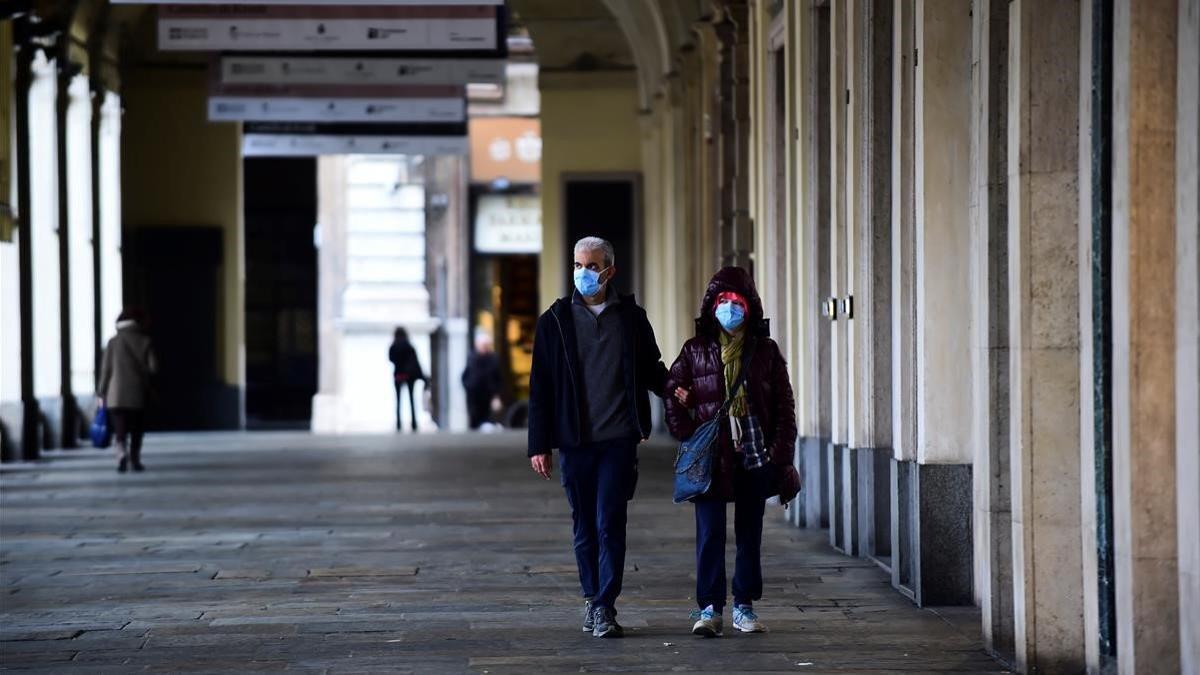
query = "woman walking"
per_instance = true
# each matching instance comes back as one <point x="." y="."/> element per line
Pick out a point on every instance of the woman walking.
<point x="124" y="387"/>
<point x="754" y="448"/>
<point x="406" y="371"/>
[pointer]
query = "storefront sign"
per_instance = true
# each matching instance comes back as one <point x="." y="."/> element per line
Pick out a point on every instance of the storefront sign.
<point x="508" y="224"/>
<point x="506" y="148"/>
<point x="318" y="27"/>
<point x="301" y="70"/>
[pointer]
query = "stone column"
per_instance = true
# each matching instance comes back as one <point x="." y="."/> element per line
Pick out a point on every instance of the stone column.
<point x="814" y="40"/>
<point x="1043" y="222"/>
<point x="447" y="262"/>
<point x="1187" y="325"/>
<point x="841" y="524"/>
<point x="904" y="302"/>
<point x="1144" y="340"/>
<point x="726" y="167"/>
<point x="989" y="299"/>
<point x="940" y="484"/>
<point x="869" y="391"/>
<point x="68" y="423"/>
<point x="23" y="80"/>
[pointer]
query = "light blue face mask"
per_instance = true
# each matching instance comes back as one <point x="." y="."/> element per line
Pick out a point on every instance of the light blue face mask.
<point x="587" y="282"/>
<point x="730" y="315"/>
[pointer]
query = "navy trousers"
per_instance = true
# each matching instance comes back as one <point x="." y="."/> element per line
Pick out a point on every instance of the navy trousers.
<point x="599" y="480"/>
<point x="749" y="502"/>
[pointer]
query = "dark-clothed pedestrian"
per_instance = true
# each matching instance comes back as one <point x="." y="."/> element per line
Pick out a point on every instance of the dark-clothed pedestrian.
<point x="754" y="450"/>
<point x="481" y="379"/>
<point x="406" y="372"/>
<point x="125" y="386"/>
<point x="594" y="361"/>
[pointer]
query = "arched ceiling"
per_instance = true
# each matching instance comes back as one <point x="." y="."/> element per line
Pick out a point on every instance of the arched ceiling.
<point x="573" y="35"/>
<point x="583" y="35"/>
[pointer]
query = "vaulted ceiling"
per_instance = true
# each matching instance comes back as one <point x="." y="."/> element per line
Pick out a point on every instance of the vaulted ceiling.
<point x="573" y="34"/>
<point x="587" y="35"/>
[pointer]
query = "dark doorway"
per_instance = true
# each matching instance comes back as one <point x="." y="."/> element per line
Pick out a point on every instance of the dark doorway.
<point x="281" y="291"/>
<point x="174" y="275"/>
<point x="603" y="206"/>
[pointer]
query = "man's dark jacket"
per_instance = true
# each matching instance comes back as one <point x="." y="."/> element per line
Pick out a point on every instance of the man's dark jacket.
<point x="555" y="379"/>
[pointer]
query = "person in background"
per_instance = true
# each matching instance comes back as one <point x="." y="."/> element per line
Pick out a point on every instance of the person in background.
<point x="481" y="379"/>
<point x="406" y="371"/>
<point x="125" y="387"/>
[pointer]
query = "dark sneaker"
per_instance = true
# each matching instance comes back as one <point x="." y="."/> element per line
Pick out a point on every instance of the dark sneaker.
<point x="123" y="465"/>
<point x="589" y="616"/>
<point x="605" y="619"/>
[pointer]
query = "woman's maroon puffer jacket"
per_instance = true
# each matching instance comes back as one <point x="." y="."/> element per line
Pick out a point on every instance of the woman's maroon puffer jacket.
<point x="698" y="369"/>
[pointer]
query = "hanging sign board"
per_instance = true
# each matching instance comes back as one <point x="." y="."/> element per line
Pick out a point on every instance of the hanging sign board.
<point x="310" y="140"/>
<point x="247" y="69"/>
<point x="508" y="224"/>
<point x="333" y="3"/>
<point x="324" y="28"/>
<point x="285" y="145"/>
<point x="333" y="103"/>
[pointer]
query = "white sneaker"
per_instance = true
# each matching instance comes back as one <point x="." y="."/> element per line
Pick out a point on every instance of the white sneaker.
<point x="745" y="620"/>
<point x="708" y="623"/>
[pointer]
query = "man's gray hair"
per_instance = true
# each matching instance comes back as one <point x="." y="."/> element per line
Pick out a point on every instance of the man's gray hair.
<point x="597" y="244"/>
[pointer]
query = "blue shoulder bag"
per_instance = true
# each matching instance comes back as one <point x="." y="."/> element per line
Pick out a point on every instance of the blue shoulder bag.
<point x="693" y="460"/>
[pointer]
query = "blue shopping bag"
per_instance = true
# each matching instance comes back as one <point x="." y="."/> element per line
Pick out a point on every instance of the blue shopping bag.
<point x="101" y="432"/>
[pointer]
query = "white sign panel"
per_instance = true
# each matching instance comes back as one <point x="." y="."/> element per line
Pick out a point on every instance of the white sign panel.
<point x="335" y="70"/>
<point x="306" y="145"/>
<point x="315" y="28"/>
<point x="508" y="224"/>
<point x="335" y="3"/>
<point x="243" y="109"/>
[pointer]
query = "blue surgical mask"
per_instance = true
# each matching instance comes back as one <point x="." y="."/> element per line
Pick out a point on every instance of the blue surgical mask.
<point x="730" y="315"/>
<point x="587" y="282"/>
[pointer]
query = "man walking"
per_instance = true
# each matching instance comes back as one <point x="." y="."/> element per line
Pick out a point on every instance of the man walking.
<point x="594" y="360"/>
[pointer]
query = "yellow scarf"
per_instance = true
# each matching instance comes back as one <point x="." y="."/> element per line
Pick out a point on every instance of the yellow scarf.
<point x="731" y="359"/>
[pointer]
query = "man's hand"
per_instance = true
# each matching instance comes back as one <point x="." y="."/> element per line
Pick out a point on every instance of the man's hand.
<point x="542" y="464"/>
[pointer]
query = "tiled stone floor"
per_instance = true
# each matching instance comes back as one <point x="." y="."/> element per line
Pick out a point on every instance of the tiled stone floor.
<point x="426" y="554"/>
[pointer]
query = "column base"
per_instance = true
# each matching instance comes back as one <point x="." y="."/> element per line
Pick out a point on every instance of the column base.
<point x="51" y="421"/>
<point x="813" y="491"/>
<point x="873" y="505"/>
<point x="12" y="427"/>
<point x="931" y="532"/>
<point x="834" y="496"/>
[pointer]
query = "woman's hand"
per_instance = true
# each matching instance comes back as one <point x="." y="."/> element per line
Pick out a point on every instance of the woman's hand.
<point x="682" y="395"/>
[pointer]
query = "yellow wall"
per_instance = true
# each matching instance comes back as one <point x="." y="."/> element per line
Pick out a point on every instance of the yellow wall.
<point x="179" y="169"/>
<point x="589" y="123"/>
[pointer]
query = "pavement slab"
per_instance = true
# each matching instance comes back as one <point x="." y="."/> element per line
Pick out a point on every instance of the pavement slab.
<point x="434" y="553"/>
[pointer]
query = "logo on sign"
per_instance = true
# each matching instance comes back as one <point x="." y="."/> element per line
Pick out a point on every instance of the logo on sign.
<point x="529" y="147"/>
<point x="500" y="150"/>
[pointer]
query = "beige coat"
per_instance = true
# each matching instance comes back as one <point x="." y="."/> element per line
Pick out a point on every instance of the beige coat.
<point x="125" y="372"/>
